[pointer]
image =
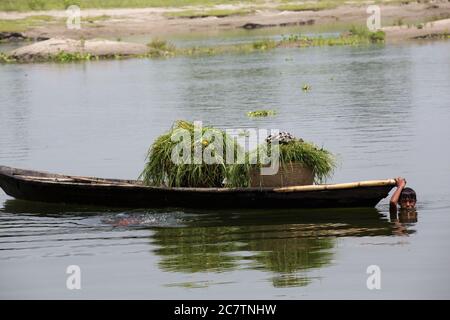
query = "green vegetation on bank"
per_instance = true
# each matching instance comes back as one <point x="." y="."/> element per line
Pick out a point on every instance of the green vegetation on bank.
<point x="160" y="48"/>
<point x="28" y="5"/>
<point x="20" y="25"/>
<point x="308" y="6"/>
<point x="355" y="36"/>
<point x="93" y="19"/>
<point x="64" y="57"/>
<point x="219" y="13"/>
<point x="163" y="49"/>
<point x="364" y="33"/>
<point x="291" y="5"/>
<point x="4" y="58"/>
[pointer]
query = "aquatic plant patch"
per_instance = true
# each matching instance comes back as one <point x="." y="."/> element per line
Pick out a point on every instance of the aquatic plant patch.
<point x="5" y="58"/>
<point x="64" y="57"/>
<point x="261" y="113"/>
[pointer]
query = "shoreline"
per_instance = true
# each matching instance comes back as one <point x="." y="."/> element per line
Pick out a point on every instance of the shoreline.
<point x="54" y="42"/>
<point x="154" y="22"/>
<point x="62" y="50"/>
<point x="70" y="50"/>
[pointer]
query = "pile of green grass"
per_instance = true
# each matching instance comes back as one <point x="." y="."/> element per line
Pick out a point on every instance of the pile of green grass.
<point x="320" y="161"/>
<point x="160" y="170"/>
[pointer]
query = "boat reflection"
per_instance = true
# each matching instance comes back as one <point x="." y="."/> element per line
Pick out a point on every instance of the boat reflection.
<point x="287" y="243"/>
<point x="53" y="209"/>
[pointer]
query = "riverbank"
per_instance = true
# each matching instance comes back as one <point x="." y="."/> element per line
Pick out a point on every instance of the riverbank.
<point x="408" y="18"/>
<point x="70" y="50"/>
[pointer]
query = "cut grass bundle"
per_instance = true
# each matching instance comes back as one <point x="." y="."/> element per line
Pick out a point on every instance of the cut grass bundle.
<point x="182" y="143"/>
<point x="320" y="161"/>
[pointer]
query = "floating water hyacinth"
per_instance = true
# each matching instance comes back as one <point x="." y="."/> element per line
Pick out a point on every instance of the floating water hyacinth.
<point x="261" y="113"/>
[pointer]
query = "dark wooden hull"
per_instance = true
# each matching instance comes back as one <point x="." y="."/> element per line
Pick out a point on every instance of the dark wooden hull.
<point x="46" y="187"/>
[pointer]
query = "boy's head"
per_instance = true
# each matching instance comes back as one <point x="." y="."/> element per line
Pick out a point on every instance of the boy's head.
<point x="407" y="199"/>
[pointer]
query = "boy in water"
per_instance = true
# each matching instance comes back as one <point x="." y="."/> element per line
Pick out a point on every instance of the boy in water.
<point x="406" y="197"/>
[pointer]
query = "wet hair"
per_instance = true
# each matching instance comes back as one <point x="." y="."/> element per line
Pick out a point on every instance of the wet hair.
<point x="408" y="194"/>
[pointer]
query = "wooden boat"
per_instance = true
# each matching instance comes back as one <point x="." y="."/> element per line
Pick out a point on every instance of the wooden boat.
<point x="47" y="187"/>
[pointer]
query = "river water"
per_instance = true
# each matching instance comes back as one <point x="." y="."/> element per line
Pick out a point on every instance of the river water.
<point x="385" y="110"/>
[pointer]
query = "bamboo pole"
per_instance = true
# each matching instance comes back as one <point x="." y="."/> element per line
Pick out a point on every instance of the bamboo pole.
<point x="350" y="185"/>
<point x="104" y="182"/>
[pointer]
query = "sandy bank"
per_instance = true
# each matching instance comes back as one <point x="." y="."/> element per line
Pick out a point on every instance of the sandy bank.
<point x="43" y="50"/>
<point x="428" y="30"/>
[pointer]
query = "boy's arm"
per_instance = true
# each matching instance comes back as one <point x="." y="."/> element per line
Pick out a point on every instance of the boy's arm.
<point x="401" y="183"/>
